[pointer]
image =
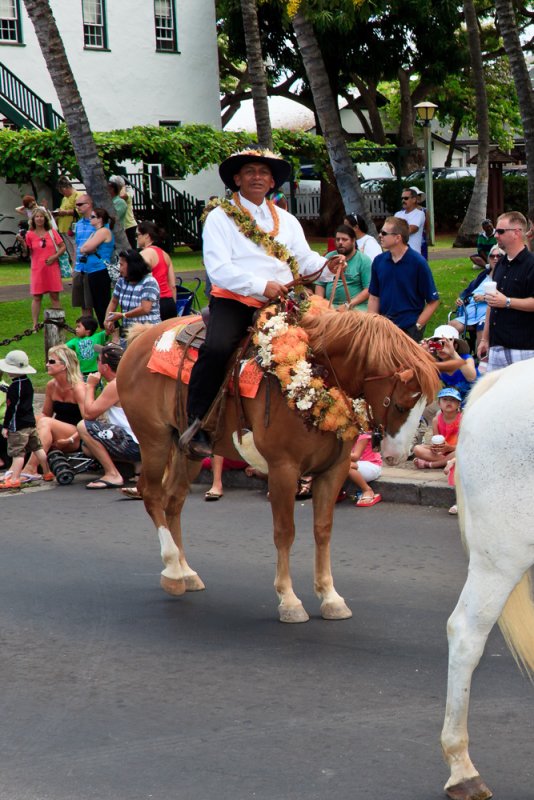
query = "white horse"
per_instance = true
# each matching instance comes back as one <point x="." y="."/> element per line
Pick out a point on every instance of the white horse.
<point x="495" y="481"/>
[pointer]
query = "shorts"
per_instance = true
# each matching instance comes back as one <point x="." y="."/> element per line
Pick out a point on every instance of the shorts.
<point x="24" y="441"/>
<point x="81" y="293"/>
<point x="116" y="440"/>
<point x="500" y="357"/>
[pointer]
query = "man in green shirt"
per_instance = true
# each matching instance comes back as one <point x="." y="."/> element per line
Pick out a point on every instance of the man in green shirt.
<point x="357" y="273"/>
<point x="65" y="215"/>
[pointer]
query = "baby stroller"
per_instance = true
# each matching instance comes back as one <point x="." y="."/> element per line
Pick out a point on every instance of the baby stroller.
<point x="186" y="299"/>
<point x="66" y="465"/>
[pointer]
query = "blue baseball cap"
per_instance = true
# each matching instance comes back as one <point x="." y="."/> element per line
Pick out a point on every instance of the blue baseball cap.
<point x="450" y="391"/>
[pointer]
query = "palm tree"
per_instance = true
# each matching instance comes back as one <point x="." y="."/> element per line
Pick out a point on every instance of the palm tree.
<point x="92" y="171"/>
<point x="508" y="29"/>
<point x="478" y="203"/>
<point x="328" y="116"/>
<point x="256" y="71"/>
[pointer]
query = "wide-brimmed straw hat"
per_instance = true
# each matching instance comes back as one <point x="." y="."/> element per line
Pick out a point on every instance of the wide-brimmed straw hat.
<point x="280" y="168"/>
<point x="16" y="363"/>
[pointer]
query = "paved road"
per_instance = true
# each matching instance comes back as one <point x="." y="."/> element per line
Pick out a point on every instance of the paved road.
<point x="113" y="691"/>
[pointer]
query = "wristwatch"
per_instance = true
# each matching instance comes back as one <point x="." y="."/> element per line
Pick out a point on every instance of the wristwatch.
<point x="508" y="302"/>
<point x="418" y="326"/>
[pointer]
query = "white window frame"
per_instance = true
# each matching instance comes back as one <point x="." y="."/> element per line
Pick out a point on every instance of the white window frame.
<point x="166" y="35"/>
<point x="10" y="30"/>
<point x="95" y="35"/>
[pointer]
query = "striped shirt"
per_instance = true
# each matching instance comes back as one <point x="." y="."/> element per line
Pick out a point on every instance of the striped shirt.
<point x="131" y="295"/>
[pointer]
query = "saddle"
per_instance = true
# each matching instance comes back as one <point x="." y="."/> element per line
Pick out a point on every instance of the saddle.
<point x="192" y="335"/>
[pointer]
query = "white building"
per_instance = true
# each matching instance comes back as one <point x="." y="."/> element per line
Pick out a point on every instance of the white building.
<point x="136" y="62"/>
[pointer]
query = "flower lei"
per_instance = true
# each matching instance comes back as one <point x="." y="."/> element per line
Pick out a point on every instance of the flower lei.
<point x="284" y="351"/>
<point x="248" y="227"/>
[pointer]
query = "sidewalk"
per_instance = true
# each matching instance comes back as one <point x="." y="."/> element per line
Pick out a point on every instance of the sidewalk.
<point x="403" y="484"/>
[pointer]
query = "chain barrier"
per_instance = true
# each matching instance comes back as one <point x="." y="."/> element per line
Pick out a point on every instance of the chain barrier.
<point x="39" y="327"/>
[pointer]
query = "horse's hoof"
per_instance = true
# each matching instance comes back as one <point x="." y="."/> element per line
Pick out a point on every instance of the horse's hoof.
<point x="293" y="613"/>
<point x="335" y="611"/>
<point x="174" y="586"/>
<point x="472" y="789"/>
<point x="193" y="583"/>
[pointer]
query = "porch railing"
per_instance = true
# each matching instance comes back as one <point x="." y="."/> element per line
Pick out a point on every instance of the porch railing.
<point x="22" y="106"/>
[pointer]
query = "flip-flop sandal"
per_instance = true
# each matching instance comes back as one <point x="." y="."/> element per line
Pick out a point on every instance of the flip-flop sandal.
<point x="103" y="485"/>
<point x="304" y="489"/>
<point x="132" y="492"/>
<point x="212" y="497"/>
<point x="367" y="502"/>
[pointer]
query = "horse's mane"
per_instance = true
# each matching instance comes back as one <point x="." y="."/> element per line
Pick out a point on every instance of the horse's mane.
<point x="372" y="340"/>
<point x="137" y="329"/>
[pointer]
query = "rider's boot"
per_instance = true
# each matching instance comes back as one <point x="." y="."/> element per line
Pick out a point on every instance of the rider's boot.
<point x="194" y="441"/>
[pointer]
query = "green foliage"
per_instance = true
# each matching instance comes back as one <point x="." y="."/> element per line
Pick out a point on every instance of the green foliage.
<point x="183" y="151"/>
<point x="451" y="198"/>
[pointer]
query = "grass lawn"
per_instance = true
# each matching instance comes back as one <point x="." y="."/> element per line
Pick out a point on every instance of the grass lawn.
<point x="451" y="276"/>
<point x="15" y="317"/>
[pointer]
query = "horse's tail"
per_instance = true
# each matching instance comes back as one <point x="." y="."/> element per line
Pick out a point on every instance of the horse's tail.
<point x="517" y="625"/>
<point x="136" y="330"/>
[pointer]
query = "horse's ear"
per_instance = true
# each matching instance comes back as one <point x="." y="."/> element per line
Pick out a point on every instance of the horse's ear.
<point x="405" y="375"/>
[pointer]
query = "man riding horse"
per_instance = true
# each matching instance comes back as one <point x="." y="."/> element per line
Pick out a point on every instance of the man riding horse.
<point x="251" y="250"/>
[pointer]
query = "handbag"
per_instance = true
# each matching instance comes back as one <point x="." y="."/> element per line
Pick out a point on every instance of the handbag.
<point x="112" y="266"/>
<point x="63" y="260"/>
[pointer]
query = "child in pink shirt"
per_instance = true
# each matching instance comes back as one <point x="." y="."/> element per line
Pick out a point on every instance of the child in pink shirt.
<point x="365" y="466"/>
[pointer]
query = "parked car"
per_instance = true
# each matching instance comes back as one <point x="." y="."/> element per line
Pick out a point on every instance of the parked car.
<point x="440" y="173"/>
<point x="519" y="172"/>
<point x="375" y="184"/>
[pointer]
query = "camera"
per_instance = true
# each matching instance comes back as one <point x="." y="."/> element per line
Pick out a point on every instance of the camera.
<point x="83" y="259"/>
<point x="434" y="345"/>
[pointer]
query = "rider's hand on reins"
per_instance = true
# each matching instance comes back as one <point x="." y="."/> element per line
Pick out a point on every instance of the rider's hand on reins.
<point x="274" y="289"/>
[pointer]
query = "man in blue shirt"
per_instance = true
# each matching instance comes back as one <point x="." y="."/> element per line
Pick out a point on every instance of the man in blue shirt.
<point x="402" y="287"/>
<point x="81" y="293"/>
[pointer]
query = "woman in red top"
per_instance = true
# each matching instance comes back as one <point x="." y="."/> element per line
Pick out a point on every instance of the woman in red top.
<point x="161" y="265"/>
<point x="45" y="275"/>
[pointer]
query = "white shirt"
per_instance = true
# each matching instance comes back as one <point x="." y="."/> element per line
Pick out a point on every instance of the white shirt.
<point x="368" y="246"/>
<point x="235" y="263"/>
<point x="415" y="217"/>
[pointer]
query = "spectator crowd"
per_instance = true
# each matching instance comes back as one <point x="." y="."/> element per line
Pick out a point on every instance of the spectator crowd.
<point x="493" y="325"/>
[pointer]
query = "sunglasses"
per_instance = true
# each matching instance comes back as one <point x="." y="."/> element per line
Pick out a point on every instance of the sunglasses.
<point x="500" y="231"/>
<point x="406" y="198"/>
<point x="495" y="255"/>
<point x="43" y="243"/>
<point x="386" y="233"/>
<point x="81" y="204"/>
<point x="93" y="216"/>
<point x="52" y="361"/>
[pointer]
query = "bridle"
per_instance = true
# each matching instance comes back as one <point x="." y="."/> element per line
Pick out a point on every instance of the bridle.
<point x="379" y="428"/>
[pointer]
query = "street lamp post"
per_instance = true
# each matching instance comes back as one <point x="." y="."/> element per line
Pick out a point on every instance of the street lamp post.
<point x="425" y="113"/>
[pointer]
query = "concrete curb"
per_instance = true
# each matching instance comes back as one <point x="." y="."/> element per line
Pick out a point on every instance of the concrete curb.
<point x="396" y="485"/>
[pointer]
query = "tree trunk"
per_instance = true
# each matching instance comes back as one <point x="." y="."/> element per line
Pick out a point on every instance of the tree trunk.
<point x="58" y="66"/>
<point x="368" y="95"/>
<point x="525" y="94"/>
<point x="411" y="160"/>
<point x="325" y="104"/>
<point x="477" y="208"/>
<point x="256" y="69"/>
<point x="456" y="127"/>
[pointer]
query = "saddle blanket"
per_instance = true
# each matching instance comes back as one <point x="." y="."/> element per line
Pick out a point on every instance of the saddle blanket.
<point x="167" y="354"/>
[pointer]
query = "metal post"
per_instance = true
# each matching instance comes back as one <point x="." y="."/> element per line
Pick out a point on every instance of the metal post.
<point x="429" y="186"/>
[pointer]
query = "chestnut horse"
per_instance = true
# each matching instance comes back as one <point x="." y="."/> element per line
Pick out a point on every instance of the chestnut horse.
<point x="495" y="476"/>
<point x="366" y="355"/>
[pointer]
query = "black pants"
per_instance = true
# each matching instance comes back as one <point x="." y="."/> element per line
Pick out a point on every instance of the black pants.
<point x="131" y="235"/>
<point x="227" y="325"/>
<point x="413" y="333"/>
<point x="167" y="308"/>
<point x="100" y="286"/>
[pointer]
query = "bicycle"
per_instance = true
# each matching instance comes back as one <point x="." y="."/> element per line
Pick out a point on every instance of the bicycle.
<point x="14" y="249"/>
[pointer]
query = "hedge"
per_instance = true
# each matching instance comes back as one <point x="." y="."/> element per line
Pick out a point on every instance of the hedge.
<point x="451" y="198"/>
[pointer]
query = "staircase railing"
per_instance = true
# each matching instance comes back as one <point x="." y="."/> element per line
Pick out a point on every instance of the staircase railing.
<point x="178" y="212"/>
<point x="24" y="107"/>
